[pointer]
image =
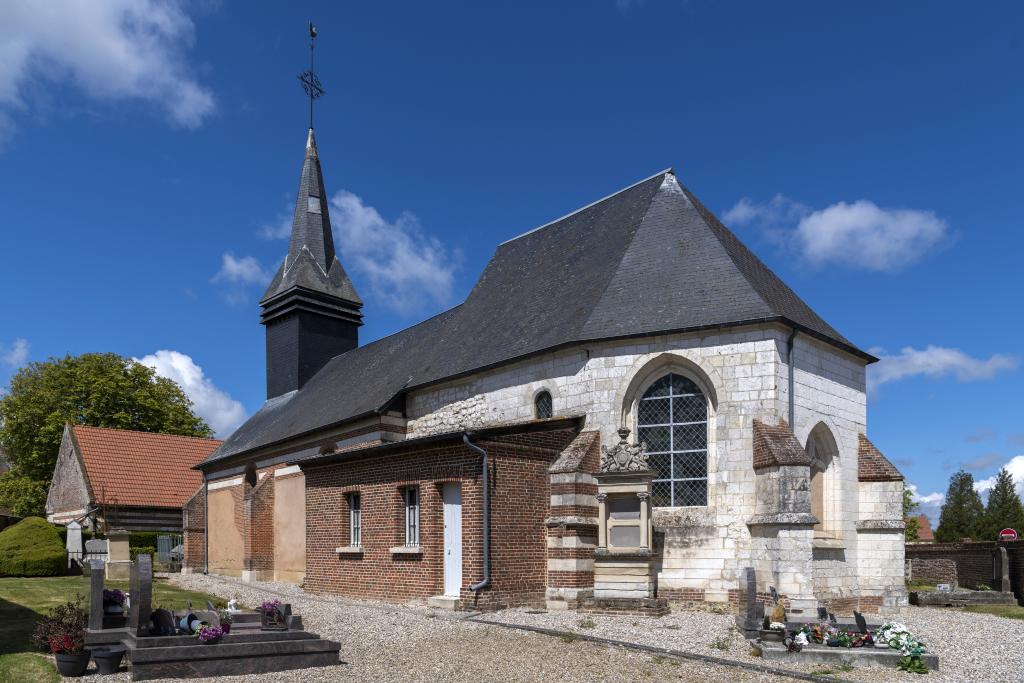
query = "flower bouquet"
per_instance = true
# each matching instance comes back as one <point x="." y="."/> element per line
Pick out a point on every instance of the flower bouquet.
<point x="113" y="601"/>
<point x="210" y="635"/>
<point x="273" y="616"/>
<point x="225" y="621"/>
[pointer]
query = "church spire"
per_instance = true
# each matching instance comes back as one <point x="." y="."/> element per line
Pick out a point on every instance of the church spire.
<point x="311" y="309"/>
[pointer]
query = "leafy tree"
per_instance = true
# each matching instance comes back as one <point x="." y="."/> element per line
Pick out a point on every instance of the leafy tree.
<point x="963" y="515"/>
<point x="97" y="389"/>
<point x="1004" y="507"/>
<point x="909" y="506"/>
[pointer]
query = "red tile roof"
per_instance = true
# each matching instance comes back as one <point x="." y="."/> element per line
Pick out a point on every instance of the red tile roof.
<point x="872" y="465"/>
<point x="924" y="529"/>
<point x="776" y="445"/>
<point x="141" y="468"/>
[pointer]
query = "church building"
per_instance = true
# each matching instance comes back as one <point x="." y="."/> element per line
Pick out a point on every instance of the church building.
<point x="455" y="461"/>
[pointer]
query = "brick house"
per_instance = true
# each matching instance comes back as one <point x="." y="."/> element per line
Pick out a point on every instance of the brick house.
<point x="138" y="481"/>
<point x="363" y="473"/>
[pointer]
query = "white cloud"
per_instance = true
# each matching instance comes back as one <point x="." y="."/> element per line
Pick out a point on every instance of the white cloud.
<point x="245" y="270"/>
<point x="405" y="267"/>
<point x="111" y="50"/>
<point x="279" y="229"/>
<point x="220" y="411"/>
<point x="859" y="234"/>
<point x="16" y="354"/>
<point x="1016" y="468"/>
<point x="929" y="504"/>
<point x="936" y="361"/>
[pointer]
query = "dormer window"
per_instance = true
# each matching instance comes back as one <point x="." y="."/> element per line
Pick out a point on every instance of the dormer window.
<point x="313" y="204"/>
<point x="543" y="407"/>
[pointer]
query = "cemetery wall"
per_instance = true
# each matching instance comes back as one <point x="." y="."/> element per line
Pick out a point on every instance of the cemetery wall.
<point x="519" y="507"/>
<point x="974" y="561"/>
<point x="933" y="571"/>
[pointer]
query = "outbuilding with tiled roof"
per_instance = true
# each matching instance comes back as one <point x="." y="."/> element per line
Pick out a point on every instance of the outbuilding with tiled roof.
<point x="121" y="478"/>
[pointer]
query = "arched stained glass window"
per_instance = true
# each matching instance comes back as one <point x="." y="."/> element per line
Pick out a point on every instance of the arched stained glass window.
<point x="672" y="419"/>
<point x="544" y="408"/>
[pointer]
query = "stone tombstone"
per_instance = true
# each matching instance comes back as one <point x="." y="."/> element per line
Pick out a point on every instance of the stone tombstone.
<point x="96" y="546"/>
<point x="774" y="593"/>
<point x="749" y="617"/>
<point x="96" y="595"/>
<point x="74" y="539"/>
<point x="141" y="590"/>
<point x="1001" y="570"/>
<point x="862" y="624"/>
<point x="118" y="557"/>
<point x="162" y="623"/>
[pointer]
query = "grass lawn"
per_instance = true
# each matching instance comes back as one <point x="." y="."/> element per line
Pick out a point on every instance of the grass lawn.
<point x="23" y="601"/>
<point x="1008" y="611"/>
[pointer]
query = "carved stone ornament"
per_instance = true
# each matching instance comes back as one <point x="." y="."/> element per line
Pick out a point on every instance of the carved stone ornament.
<point x="624" y="458"/>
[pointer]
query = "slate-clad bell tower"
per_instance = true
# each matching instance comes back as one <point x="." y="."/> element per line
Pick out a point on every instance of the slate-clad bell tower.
<point x="311" y="310"/>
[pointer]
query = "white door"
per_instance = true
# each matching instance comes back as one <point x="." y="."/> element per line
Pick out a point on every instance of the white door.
<point x="452" y="495"/>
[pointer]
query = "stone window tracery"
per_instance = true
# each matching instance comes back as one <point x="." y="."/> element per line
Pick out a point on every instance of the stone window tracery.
<point x="672" y="420"/>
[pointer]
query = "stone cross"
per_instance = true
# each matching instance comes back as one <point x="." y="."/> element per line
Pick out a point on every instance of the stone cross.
<point x="96" y="595"/>
<point x="141" y="589"/>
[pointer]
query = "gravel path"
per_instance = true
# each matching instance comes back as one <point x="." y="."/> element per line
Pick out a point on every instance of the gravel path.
<point x="383" y="642"/>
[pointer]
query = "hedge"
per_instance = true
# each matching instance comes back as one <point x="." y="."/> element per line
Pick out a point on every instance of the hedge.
<point x="141" y="550"/>
<point x="32" y="547"/>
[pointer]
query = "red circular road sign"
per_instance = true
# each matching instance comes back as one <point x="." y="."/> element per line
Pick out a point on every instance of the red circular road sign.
<point x="1008" y="535"/>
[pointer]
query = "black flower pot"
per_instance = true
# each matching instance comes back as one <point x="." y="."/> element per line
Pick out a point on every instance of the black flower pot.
<point x="108" y="660"/>
<point x="72" y="665"/>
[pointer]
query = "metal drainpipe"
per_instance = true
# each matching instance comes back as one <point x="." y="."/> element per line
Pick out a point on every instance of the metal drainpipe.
<point x="477" y="587"/>
<point x="792" y="373"/>
<point x="206" y="525"/>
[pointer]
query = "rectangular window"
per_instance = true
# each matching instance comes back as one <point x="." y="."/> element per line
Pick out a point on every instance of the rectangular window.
<point x="412" y="515"/>
<point x="355" y="520"/>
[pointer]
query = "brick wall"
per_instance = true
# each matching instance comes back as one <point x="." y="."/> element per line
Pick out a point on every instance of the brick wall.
<point x="194" y="528"/>
<point x="934" y="571"/>
<point x="519" y="506"/>
<point x="259" y="527"/>
<point x="974" y="561"/>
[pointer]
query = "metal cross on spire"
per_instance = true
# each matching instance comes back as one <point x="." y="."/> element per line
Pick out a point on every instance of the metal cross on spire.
<point x="310" y="83"/>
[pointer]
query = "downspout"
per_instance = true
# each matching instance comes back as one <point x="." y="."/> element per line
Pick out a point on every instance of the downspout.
<point x="477" y="587"/>
<point x="792" y="374"/>
<point x="206" y="525"/>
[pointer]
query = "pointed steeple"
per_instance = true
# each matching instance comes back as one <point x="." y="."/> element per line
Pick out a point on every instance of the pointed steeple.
<point x="311" y="309"/>
<point x="311" y="262"/>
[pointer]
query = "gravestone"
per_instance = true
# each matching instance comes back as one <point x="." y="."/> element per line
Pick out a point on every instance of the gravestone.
<point x="162" y="623"/>
<point x="775" y="593"/>
<point x="862" y="624"/>
<point x="73" y="544"/>
<point x="751" y="611"/>
<point x="96" y="546"/>
<point x="141" y="589"/>
<point x="96" y="595"/>
<point x="1001" y="570"/>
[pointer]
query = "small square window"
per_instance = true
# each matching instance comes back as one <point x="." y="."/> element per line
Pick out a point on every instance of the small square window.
<point x="313" y="205"/>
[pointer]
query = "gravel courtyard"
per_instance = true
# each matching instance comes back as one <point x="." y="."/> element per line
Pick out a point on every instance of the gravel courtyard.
<point x="383" y="642"/>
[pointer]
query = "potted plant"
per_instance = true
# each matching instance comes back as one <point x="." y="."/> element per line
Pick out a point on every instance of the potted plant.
<point x="273" y="616"/>
<point x="225" y="621"/>
<point x="113" y="601"/>
<point x="210" y="635"/>
<point x="62" y="632"/>
<point x="108" y="659"/>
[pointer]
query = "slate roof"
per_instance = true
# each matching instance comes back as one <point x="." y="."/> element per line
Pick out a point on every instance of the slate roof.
<point x="872" y="465"/>
<point x="776" y="445"/>
<point x="141" y="468"/>
<point x="648" y="259"/>
<point x="311" y="262"/>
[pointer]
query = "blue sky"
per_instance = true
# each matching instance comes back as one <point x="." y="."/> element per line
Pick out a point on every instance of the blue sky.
<point x="870" y="153"/>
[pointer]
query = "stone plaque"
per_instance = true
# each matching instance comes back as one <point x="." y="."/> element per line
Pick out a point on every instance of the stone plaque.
<point x="944" y="587"/>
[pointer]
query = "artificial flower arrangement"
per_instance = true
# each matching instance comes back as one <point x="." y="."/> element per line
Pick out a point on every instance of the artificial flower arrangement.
<point x="833" y="636"/>
<point x="269" y="607"/>
<point x="899" y="638"/>
<point x="113" y="600"/>
<point x="225" y="621"/>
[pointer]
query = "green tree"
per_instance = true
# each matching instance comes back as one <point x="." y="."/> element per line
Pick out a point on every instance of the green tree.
<point x="912" y="528"/>
<point x="97" y="389"/>
<point x="963" y="515"/>
<point x="1004" y="507"/>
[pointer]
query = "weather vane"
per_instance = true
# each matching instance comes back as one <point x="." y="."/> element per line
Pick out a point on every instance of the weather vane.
<point x="310" y="83"/>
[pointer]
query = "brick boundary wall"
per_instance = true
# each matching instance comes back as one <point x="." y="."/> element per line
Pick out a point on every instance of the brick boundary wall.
<point x="935" y="570"/>
<point x="974" y="561"/>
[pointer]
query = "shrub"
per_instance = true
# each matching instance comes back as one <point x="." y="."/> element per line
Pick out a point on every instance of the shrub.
<point x="134" y="552"/>
<point x="144" y="539"/>
<point x="63" y="629"/>
<point x="32" y="547"/>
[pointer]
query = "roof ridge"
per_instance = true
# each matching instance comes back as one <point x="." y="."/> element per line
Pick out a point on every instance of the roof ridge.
<point x="76" y="427"/>
<point x="668" y="171"/>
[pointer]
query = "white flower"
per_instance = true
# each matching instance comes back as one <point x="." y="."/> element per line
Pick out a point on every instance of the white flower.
<point x="801" y="639"/>
<point x="777" y="626"/>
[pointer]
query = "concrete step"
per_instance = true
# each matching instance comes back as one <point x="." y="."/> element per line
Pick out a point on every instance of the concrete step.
<point x="443" y="602"/>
